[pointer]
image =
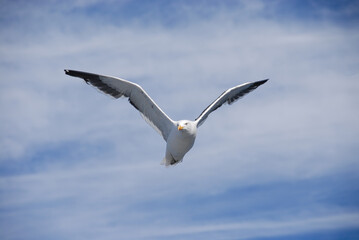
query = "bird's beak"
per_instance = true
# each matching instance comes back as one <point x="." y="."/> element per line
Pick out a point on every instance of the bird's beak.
<point x="180" y="127"/>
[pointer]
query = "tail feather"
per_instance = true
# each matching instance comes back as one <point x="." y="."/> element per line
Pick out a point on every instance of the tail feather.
<point x="169" y="162"/>
<point x="164" y="162"/>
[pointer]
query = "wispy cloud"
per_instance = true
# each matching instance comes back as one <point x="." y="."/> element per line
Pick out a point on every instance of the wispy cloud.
<point x="88" y="199"/>
<point x="85" y="165"/>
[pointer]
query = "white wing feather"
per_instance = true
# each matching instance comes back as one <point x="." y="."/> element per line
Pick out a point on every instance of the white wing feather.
<point x="229" y="96"/>
<point x="117" y="87"/>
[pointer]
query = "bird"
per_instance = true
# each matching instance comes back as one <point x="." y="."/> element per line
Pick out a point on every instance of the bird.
<point x="179" y="135"/>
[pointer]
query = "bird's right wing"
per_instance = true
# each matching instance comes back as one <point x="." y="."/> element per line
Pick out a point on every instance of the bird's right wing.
<point x="117" y="88"/>
<point x="229" y="96"/>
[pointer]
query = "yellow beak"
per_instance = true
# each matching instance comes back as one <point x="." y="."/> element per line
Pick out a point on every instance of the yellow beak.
<point x="180" y="127"/>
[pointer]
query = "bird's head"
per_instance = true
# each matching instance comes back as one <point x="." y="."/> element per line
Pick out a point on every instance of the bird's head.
<point x="187" y="126"/>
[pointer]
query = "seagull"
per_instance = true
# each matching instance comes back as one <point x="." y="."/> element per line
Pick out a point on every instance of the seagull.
<point x="179" y="135"/>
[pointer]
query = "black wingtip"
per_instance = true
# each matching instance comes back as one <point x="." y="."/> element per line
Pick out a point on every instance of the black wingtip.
<point x="80" y="74"/>
<point x="67" y="71"/>
<point x="84" y="75"/>
<point x="74" y="73"/>
<point x="258" y="83"/>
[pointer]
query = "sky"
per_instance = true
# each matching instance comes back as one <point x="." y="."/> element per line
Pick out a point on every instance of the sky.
<point x="281" y="163"/>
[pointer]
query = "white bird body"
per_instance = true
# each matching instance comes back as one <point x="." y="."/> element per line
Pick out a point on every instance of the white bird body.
<point x="179" y="135"/>
<point x="180" y="141"/>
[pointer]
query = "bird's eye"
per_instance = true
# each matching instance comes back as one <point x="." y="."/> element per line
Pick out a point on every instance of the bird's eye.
<point x="185" y="123"/>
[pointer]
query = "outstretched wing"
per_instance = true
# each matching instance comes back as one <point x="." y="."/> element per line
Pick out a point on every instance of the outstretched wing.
<point x="229" y="96"/>
<point x="117" y="88"/>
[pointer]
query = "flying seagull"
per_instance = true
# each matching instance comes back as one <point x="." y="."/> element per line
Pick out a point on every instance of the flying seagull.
<point x="179" y="135"/>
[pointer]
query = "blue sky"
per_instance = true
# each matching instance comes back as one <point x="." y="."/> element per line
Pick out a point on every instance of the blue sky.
<point x="279" y="164"/>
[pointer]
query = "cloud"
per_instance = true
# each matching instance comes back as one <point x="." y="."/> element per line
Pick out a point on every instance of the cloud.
<point x="247" y="230"/>
<point x="70" y="157"/>
<point x="104" y="200"/>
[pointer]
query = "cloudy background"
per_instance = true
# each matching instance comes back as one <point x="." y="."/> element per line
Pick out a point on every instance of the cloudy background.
<point x="281" y="163"/>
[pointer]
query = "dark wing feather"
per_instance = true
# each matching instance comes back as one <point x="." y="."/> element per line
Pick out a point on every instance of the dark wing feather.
<point x="229" y="96"/>
<point x="138" y="98"/>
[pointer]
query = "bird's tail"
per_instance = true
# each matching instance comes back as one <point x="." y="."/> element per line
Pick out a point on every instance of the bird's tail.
<point x="165" y="162"/>
<point x="169" y="162"/>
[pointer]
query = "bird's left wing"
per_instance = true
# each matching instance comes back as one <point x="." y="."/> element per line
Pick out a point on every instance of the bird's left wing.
<point x="117" y="88"/>
<point x="229" y="96"/>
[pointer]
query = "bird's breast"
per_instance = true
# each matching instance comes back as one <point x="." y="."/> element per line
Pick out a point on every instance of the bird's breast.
<point x="179" y="143"/>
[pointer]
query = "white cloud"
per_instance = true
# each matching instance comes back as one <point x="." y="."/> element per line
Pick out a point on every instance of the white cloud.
<point x="248" y="230"/>
<point x="88" y="199"/>
<point x="300" y="125"/>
